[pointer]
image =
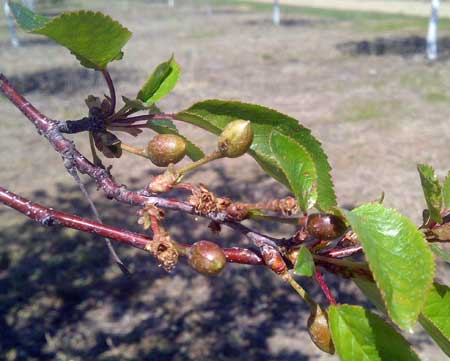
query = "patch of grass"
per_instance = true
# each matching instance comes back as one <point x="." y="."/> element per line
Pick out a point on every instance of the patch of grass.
<point x="367" y="109"/>
<point x="362" y="20"/>
<point x="362" y="111"/>
<point x="201" y="34"/>
<point x="437" y="97"/>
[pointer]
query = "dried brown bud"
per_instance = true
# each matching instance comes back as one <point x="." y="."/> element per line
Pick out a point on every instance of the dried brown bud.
<point x="206" y="258"/>
<point x="319" y="330"/>
<point x="325" y="226"/>
<point x="164" y="149"/>
<point x="273" y="259"/>
<point x="236" y="138"/>
<point x="165" y="251"/>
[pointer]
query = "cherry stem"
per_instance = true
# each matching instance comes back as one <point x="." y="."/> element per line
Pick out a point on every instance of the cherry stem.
<point x="112" y="91"/>
<point x="213" y="156"/>
<point x="130" y="149"/>
<point x="299" y="289"/>
<point x="326" y="290"/>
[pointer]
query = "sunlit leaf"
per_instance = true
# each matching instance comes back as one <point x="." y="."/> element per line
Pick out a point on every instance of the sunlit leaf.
<point x="435" y="314"/>
<point x="359" y="334"/>
<point x="298" y="168"/>
<point x="213" y="115"/>
<point x="161" y="82"/>
<point x="94" y="38"/>
<point x="399" y="258"/>
<point x="304" y="265"/>
<point x="432" y="191"/>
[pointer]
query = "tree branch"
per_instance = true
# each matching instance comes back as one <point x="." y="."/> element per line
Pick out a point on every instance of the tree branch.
<point x="50" y="217"/>
<point x="72" y="157"/>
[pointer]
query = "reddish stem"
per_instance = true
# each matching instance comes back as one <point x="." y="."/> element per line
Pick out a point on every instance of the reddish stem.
<point x="344" y="252"/>
<point x="112" y="91"/>
<point x="155" y="225"/>
<point x="326" y="290"/>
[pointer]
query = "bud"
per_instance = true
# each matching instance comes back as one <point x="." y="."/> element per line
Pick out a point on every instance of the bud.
<point x="164" y="149"/>
<point x="319" y="330"/>
<point x="325" y="226"/>
<point x="236" y="138"/>
<point x="206" y="258"/>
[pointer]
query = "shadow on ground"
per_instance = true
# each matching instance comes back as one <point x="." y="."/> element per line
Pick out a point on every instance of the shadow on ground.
<point x="62" y="80"/>
<point x="62" y="298"/>
<point x="403" y="46"/>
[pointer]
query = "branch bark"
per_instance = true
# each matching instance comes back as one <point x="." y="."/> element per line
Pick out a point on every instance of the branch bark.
<point x="50" y="217"/>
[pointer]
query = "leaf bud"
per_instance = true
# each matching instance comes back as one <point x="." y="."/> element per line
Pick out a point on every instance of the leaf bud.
<point x="206" y="258"/>
<point x="319" y="330"/>
<point x="325" y="226"/>
<point x="164" y="149"/>
<point x="236" y="138"/>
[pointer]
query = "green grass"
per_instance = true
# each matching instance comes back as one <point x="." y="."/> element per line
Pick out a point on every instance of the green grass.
<point x="361" y="20"/>
<point x="437" y="97"/>
<point x="360" y="110"/>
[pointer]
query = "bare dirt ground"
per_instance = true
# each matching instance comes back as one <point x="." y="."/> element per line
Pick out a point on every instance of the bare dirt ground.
<point x="363" y="88"/>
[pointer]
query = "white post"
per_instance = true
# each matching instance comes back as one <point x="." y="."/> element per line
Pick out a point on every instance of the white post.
<point x="171" y="3"/>
<point x="11" y="25"/>
<point x="276" y="12"/>
<point x="432" y="31"/>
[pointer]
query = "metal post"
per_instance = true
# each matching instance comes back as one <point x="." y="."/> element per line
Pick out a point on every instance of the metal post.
<point x="432" y="31"/>
<point x="276" y="13"/>
<point x="11" y="25"/>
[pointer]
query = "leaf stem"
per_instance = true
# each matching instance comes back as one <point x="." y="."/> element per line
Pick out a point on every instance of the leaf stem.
<point x="112" y="91"/>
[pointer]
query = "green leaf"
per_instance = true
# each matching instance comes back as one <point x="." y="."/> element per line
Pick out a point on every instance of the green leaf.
<point x="165" y="126"/>
<point x="297" y="166"/>
<point x="26" y="18"/>
<point x="435" y="317"/>
<point x="359" y="334"/>
<point x="446" y="191"/>
<point x="438" y="251"/>
<point x="304" y="265"/>
<point x="399" y="258"/>
<point x="432" y="191"/>
<point x="161" y="82"/>
<point x="214" y="115"/>
<point x="94" y="38"/>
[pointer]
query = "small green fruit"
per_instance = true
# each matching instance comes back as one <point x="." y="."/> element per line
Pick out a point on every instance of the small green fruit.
<point x="319" y="330"/>
<point x="206" y="258"/>
<point x="164" y="149"/>
<point x="236" y="138"/>
<point x="325" y="226"/>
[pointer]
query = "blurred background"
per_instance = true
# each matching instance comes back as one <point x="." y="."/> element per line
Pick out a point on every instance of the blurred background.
<point x="355" y="72"/>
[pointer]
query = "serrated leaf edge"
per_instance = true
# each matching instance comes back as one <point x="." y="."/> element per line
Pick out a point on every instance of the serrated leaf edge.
<point x="382" y="293"/>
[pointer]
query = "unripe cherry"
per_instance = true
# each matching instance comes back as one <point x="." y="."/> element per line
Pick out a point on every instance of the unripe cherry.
<point x="319" y="330"/>
<point x="206" y="258"/>
<point x="164" y="149"/>
<point x="325" y="226"/>
<point x="236" y="138"/>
